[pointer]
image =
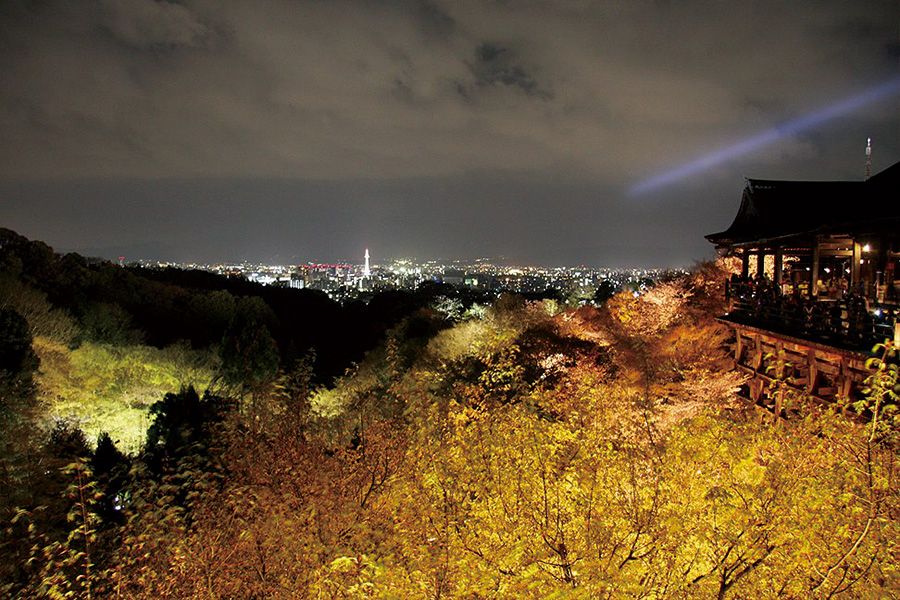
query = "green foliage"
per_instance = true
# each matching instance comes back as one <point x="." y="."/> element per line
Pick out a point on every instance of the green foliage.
<point x="248" y="352"/>
<point x="67" y="440"/>
<point x="110" y="388"/>
<point x="62" y="563"/>
<point x="17" y="360"/>
<point x="181" y="421"/>
<point x="110" y="467"/>
<point x="881" y="400"/>
<point x="156" y="537"/>
<point x="108" y="323"/>
<point x="19" y="454"/>
<point x="43" y="318"/>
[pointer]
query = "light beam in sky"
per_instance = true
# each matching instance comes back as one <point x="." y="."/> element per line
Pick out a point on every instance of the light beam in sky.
<point x="767" y="137"/>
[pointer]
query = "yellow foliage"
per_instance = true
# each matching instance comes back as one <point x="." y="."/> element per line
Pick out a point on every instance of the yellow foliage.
<point x="109" y="389"/>
<point x="649" y="313"/>
<point x="605" y="483"/>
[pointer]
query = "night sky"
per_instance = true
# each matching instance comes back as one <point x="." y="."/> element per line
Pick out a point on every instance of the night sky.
<point x="556" y="132"/>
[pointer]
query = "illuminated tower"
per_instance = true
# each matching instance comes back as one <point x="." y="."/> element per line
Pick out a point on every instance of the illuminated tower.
<point x="868" y="158"/>
<point x="366" y="272"/>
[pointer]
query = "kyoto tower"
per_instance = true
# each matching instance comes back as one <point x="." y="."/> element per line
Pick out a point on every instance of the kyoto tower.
<point x="366" y="272"/>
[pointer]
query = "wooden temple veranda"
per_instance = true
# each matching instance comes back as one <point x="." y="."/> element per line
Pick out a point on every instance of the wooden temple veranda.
<point x="819" y="284"/>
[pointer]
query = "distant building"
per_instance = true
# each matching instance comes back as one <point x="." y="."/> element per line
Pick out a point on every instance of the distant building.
<point x="453" y="276"/>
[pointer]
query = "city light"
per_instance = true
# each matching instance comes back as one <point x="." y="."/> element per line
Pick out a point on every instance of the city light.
<point x="347" y="282"/>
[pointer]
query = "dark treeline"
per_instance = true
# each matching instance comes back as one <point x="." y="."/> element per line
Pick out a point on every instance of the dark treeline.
<point x="160" y="307"/>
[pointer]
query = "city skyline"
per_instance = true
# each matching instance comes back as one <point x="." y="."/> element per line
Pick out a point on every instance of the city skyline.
<point x="352" y="281"/>
<point x="553" y="133"/>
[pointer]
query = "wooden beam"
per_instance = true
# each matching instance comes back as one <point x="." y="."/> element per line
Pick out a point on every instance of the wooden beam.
<point x="776" y="274"/>
<point x="881" y="269"/>
<point x="758" y="357"/>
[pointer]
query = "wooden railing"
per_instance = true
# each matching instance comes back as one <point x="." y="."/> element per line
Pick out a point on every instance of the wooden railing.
<point x="849" y="322"/>
<point x="781" y="369"/>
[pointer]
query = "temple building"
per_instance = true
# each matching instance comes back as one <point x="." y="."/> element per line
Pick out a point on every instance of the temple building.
<point x="819" y="283"/>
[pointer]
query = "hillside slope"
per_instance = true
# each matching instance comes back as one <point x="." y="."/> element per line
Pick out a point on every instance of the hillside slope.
<point x="518" y="450"/>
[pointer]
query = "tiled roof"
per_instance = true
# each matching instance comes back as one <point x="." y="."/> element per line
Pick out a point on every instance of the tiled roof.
<point x="780" y="209"/>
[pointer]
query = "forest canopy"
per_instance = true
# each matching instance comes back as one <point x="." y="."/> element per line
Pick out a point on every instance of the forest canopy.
<point x="171" y="435"/>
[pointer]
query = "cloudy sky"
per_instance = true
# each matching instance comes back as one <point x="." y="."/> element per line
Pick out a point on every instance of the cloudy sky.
<point x="555" y="132"/>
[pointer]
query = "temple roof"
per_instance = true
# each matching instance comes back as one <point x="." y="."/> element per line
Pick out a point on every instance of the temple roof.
<point x="773" y="210"/>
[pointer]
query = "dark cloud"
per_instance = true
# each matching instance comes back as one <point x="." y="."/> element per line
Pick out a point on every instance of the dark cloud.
<point x="591" y="92"/>
<point x="158" y="24"/>
<point x="495" y="64"/>
<point x="435" y="21"/>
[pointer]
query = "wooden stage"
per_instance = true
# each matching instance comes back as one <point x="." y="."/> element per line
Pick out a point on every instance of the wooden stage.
<point x="784" y="369"/>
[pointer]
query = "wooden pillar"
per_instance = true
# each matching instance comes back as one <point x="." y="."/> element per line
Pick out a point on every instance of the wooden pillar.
<point x="756" y="388"/>
<point x="814" y="274"/>
<point x="745" y="264"/>
<point x="779" y="370"/>
<point x="812" y="381"/>
<point x="889" y="268"/>
<point x="776" y="275"/>
<point x="760" y="262"/>
<point x="758" y="356"/>
<point x="854" y="266"/>
<point x="846" y="380"/>
<point x="881" y="270"/>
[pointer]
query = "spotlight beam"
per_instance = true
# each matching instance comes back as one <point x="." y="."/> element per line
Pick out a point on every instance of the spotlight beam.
<point x="770" y="136"/>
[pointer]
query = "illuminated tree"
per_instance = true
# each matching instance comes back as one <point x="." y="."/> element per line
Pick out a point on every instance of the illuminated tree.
<point x="589" y="454"/>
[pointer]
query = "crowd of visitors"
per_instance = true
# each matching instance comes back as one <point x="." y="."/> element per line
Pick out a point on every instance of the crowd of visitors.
<point x="844" y="319"/>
